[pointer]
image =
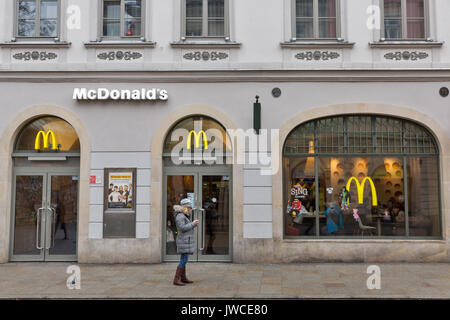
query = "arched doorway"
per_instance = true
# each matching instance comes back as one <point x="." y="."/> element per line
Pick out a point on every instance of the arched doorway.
<point x="197" y="165"/>
<point x="46" y="166"/>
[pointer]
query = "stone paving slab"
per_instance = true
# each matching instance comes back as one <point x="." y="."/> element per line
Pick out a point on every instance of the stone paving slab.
<point x="226" y="280"/>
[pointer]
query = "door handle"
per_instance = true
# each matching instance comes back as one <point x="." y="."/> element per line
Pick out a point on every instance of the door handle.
<point x="53" y="226"/>
<point x="38" y="229"/>
<point x="203" y="229"/>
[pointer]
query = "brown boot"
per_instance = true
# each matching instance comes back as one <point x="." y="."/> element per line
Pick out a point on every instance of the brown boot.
<point x="184" y="278"/>
<point x="177" y="280"/>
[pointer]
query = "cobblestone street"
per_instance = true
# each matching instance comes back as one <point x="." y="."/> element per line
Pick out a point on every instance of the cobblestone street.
<point x="222" y="280"/>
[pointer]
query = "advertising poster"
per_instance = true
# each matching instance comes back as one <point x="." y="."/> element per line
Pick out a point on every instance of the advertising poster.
<point x="120" y="192"/>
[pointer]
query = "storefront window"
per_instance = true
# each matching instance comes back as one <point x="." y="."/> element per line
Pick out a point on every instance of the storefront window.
<point x="361" y="176"/>
<point x="47" y="134"/>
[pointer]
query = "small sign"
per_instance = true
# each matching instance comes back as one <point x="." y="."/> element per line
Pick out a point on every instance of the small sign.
<point x="74" y="178"/>
<point x="92" y="179"/>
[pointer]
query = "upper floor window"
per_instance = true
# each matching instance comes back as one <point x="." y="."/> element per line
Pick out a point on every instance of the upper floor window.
<point x="37" y="18"/>
<point x="205" y="18"/>
<point x="122" y="18"/>
<point x="405" y="19"/>
<point x="316" y="19"/>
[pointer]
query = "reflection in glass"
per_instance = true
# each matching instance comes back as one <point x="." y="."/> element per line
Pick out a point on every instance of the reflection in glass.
<point x="178" y="188"/>
<point x="300" y="196"/>
<point x="216" y="18"/>
<point x="215" y="201"/>
<point x="383" y="212"/>
<point x="111" y="18"/>
<point x="64" y="190"/>
<point x="194" y="12"/>
<point x="27" y="15"/>
<point x="28" y="199"/>
<point x="423" y="197"/>
<point x="132" y="21"/>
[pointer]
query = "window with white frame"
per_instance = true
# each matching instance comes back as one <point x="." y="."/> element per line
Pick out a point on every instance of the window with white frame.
<point x="205" y="18"/>
<point x="405" y="19"/>
<point x="122" y="18"/>
<point x="37" y="18"/>
<point x="316" y="19"/>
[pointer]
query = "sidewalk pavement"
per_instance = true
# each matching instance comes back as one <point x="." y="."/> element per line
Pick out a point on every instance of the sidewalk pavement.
<point x="226" y="280"/>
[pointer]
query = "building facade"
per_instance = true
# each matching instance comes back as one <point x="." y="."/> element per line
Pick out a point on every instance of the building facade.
<point x="115" y="110"/>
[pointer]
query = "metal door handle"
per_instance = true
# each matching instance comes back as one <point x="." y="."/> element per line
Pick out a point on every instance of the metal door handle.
<point x="203" y="229"/>
<point x="38" y="223"/>
<point x="52" y="237"/>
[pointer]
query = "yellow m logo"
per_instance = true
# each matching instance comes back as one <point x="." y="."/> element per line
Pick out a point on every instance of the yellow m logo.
<point x="360" y="189"/>
<point x="46" y="137"/>
<point x="197" y="137"/>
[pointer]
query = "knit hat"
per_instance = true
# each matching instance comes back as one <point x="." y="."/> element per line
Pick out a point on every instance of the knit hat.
<point x="186" y="203"/>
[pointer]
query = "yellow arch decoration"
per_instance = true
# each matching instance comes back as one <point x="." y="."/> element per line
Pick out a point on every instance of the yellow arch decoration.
<point x="197" y="139"/>
<point x="360" y="189"/>
<point x="45" y="137"/>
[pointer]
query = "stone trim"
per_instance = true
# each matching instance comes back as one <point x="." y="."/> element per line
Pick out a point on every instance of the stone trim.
<point x="405" y="44"/>
<point x="120" y="44"/>
<point x="317" y="44"/>
<point x="36" y="44"/>
<point x="205" y="45"/>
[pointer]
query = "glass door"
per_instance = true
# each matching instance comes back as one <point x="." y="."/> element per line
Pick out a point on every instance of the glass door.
<point x="210" y="193"/>
<point x="62" y="227"/>
<point x="45" y="214"/>
<point x="213" y="233"/>
<point x="28" y="232"/>
<point x="177" y="187"/>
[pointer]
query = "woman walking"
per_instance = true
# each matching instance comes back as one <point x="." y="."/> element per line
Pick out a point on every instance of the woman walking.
<point x="185" y="239"/>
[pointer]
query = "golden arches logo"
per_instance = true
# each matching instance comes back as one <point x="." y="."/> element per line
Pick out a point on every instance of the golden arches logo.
<point x="360" y="189"/>
<point x="46" y="137"/>
<point x="197" y="137"/>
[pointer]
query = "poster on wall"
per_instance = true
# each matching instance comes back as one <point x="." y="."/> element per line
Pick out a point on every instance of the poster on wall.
<point x="120" y="193"/>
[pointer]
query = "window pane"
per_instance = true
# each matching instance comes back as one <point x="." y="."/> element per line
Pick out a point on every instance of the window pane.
<point x="216" y="27"/>
<point x="64" y="136"/>
<point x="392" y="28"/>
<point x="193" y="27"/>
<point x="304" y="28"/>
<point x="423" y="197"/>
<point x="327" y="28"/>
<point x="132" y="27"/>
<point x="416" y="28"/>
<point x="111" y="28"/>
<point x="111" y="9"/>
<point x="216" y="8"/>
<point x="48" y="28"/>
<point x="26" y="28"/>
<point x="304" y="8"/>
<point x="355" y="211"/>
<point x="415" y="9"/>
<point x="132" y="9"/>
<point x="194" y="8"/>
<point x="392" y="8"/>
<point x="27" y="9"/>
<point x="299" y="197"/>
<point x="327" y="8"/>
<point x="49" y="9"/>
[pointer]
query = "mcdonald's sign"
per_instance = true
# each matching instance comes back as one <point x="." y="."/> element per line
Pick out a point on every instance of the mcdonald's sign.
<point x="360" y="189"/>
<point x="197" y="137"/>
<point x="46" y="137"/>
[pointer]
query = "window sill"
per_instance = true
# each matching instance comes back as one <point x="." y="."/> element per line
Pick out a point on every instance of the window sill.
<point x="317" y="44"/>
<point x="120" y="44"/>
<point x="406" y="44"/>
<point x="205" y="44"/>
<point x="35" y="44"/>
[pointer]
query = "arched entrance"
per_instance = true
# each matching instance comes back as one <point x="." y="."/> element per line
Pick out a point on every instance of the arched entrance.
<point x="197" y="165"/>
<point x="45" y="187"/>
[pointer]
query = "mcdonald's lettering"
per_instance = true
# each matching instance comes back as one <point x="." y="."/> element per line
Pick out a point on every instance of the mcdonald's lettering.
<point x="46" y="137"/>
<point x="197" y="137"/>
<point x="360" y="189"/>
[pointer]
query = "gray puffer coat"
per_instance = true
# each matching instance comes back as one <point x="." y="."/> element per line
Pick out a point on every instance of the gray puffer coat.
<point x="185" y="228"/>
